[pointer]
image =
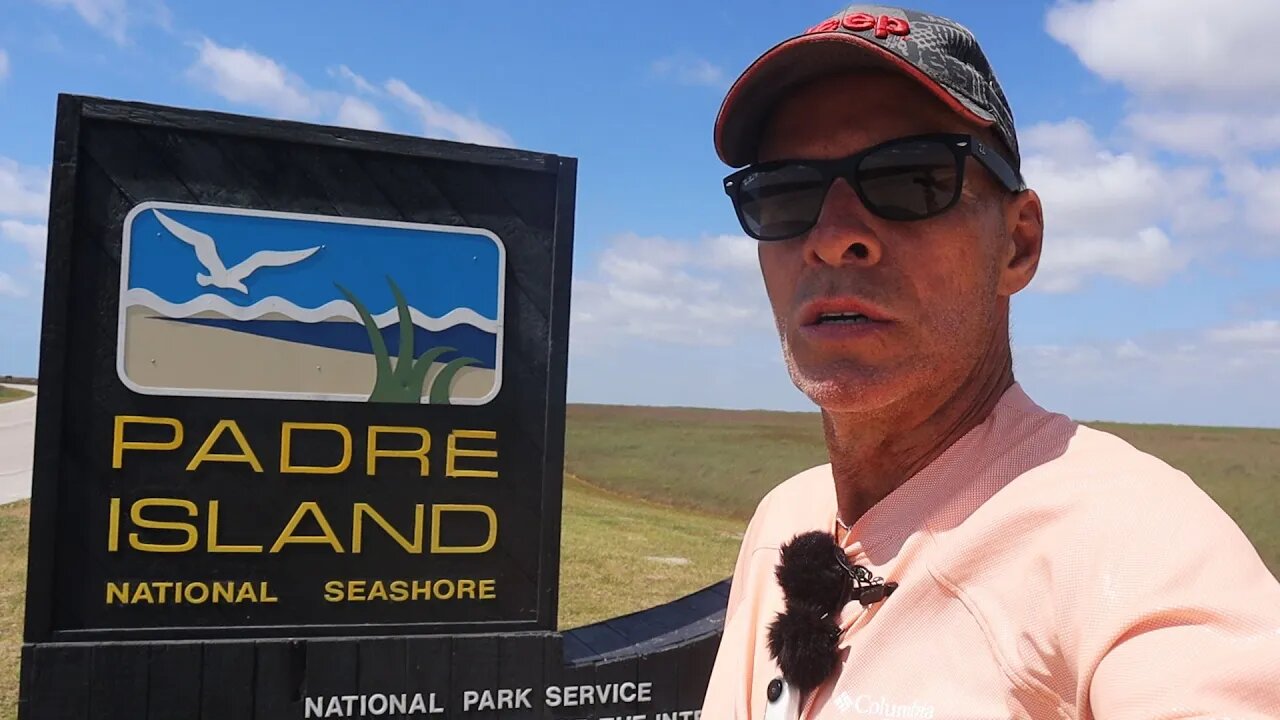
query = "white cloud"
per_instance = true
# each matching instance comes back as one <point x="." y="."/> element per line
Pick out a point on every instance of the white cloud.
<point x="31" y="237"/>
<point x="243" y="76"/>
<point x="1207" y="376"/>
<point x="1130" y="349"/>
<point x="1205" y="81"/>
<point x="1259" y="193"/>
<point x="357" y="113"/>
<point x="346" y="74"/>
<point x="689" y="70"/>
<point x="1108" y="213"/>
<point x="1182" y="357"/>
<point x="9" y="287"/>
<point x="110" y="17"/>
<point x="1175" y="47"/>
<point x="667" y="291"/>
<point x="735" y="252"/>
<point x="1261" y="332"/>
<point x="440" y="121"/>
<point x="1145" y="259"/>
<point x="24" y="191"/>
<point x="247" y="77"/>
<point x="4" y="64"/>
<point x="1210" y="134"/>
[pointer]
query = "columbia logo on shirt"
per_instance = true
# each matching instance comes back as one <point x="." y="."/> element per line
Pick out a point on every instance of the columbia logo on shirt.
<point x="881" y="707"/>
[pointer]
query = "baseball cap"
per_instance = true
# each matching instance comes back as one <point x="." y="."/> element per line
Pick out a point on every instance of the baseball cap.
<point x="943" y="55"/>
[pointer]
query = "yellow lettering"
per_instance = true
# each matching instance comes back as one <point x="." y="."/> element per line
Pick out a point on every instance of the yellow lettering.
<point x="118" y="592"/>
<point x="446" y="593"/>
<point x="287" y="536"/>
<point x="378" y="591"/>
<point x="264" y="594"/>
<point x="113" y="526"/>
<point x="286" y="446"/>
<point x="119" y="444"/>
<point x="163" y="587"/>
<point x="357" y="528"/>
<point x="246" y="593"/>
<point x="487" y="590"/>
<point x="222" y="592"/>
<point x="451" y="468"/>
<point x="245" y="456"/>
<point x="189" y="593"/>
<point x="136" y="514"/>
<point x="333" y="591"/>
<point x="142" y="593"/>
<point x="466" y="589"/>
<point x="399" y="590"/>
<point x="438" y="510"/>
<point x="355" y="590"/>
<point x="421" y="589"/>
<point x="213" y="535"/>
<point x="374" y="452"/>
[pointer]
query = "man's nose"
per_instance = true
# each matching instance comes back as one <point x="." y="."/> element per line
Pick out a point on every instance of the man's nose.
<point x="842" y="236"/>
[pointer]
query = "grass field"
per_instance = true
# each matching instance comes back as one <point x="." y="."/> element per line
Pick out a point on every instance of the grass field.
<point x="618" y="555"/>
<point x="13" y="574"/>
<point x="8" y="393"/>
<point x="723" y="462"/>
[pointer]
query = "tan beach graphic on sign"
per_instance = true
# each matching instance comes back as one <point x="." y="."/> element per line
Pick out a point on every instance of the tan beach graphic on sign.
<point x="227" y="303"/>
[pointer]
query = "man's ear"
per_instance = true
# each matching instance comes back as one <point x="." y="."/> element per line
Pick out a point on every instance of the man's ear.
<point x="1024" y="223"/>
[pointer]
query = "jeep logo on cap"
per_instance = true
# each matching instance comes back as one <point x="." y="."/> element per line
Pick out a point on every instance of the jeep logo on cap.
<point x="884" y="25"/>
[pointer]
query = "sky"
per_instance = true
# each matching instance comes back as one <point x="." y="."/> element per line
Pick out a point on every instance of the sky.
<point x="1150" y="129"/>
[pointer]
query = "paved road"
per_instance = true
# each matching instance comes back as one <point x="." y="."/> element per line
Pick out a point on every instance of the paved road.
<point x="17" y="441"/>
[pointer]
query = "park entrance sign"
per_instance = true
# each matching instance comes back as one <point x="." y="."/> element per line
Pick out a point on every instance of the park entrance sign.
<point x="300" y="434"/>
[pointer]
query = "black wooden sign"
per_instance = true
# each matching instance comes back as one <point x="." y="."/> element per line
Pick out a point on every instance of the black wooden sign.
<point x="309" y="381"/>
<point x="300" y="434"/>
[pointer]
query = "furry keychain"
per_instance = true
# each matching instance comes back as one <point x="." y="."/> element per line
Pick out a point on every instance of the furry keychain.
<point x="817" y="580"/>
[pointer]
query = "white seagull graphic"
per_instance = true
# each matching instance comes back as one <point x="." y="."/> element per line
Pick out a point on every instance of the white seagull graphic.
<point x="220" y="275"/>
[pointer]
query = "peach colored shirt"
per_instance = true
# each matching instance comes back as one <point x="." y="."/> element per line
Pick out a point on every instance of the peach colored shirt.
<point x="1045" y="570"/>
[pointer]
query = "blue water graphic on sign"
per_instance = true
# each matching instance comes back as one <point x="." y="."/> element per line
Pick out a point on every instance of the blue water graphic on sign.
<point x="466" y="340"/>
<point x="248" y="303"/>
<point x="437" y="272"/>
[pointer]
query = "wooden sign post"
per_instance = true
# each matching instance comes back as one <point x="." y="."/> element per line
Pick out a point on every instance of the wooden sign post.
<point x="300" y="435"/>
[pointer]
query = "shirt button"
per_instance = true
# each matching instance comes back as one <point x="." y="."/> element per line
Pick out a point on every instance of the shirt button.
<point x="775" y="689"/>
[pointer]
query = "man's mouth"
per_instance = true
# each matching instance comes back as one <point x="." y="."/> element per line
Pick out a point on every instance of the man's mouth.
<point x="841" y="318"/>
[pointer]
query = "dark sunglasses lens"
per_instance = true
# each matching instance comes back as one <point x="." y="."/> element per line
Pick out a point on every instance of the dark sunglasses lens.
<point x="781" y="202"/>
<point x="911" y="180"/>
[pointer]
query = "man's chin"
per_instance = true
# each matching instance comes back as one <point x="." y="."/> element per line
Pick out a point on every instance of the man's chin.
<point x="852" y="389"/>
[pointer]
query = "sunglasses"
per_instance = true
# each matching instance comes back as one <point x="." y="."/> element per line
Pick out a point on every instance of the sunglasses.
<point x="910" y="178"/>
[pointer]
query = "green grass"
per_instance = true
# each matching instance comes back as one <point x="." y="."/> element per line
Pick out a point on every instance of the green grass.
<point x="619" y="555"/>
<point x="723" y="462"/>
<point x="715" y="461"/>
<point x="13" y="577"/>
<point x="8" y="394"/>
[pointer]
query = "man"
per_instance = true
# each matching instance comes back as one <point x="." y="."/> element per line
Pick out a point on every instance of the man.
<point x="1002" y="561"/>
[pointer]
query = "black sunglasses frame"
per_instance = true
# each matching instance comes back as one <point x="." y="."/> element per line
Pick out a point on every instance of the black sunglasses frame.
<point x="961" y="146"/>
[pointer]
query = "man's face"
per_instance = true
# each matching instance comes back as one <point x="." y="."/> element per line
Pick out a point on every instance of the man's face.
<point x="939" y="286"/>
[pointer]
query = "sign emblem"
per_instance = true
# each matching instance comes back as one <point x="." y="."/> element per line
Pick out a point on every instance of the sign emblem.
<point x="227" y="302"/>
